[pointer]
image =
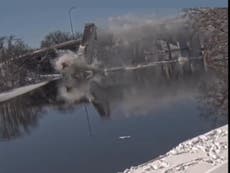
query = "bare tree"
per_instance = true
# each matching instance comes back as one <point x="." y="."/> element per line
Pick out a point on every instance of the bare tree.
<point x="57" y="37"/>
<point x="11" y="74"/>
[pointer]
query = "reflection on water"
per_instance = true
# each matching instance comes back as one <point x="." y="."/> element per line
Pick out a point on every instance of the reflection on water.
<point x="17" y="118"/>
<point x="213" y="100"/>
<point x="133" y="99"/>
<point x="23" y="112"/>
<point x="134" y="93"/>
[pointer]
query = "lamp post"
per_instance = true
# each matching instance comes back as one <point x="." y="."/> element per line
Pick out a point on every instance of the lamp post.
<point x="70" y="19"/>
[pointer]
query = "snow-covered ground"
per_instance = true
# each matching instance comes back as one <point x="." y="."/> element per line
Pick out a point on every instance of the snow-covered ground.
<point x="207" y="153"/>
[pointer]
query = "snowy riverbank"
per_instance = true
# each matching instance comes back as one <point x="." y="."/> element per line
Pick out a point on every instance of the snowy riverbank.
<point x="207" y="153"/>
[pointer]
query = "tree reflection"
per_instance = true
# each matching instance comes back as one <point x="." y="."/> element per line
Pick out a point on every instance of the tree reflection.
<point x="213" y="98"/>
<point x="19" y="115"/>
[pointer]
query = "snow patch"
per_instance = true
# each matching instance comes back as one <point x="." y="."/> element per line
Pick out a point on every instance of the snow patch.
<point x="205" y="153"/>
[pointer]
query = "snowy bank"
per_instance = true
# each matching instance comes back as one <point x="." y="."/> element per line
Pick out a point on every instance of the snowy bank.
<point x="207" y="153"/>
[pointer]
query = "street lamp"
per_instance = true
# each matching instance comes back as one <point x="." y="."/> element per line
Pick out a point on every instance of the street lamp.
<point x="70" y="19"/>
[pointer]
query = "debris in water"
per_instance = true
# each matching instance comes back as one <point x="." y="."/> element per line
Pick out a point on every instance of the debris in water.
<point x="124" y="137"/>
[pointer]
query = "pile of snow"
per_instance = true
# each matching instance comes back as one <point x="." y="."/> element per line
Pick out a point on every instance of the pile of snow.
<point x="207" y="153"/>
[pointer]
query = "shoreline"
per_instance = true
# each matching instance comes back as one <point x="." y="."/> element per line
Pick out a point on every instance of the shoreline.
<point x="206" y="153"/>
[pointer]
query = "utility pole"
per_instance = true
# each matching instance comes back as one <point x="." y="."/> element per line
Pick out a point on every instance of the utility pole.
<point x="70" y="19"/>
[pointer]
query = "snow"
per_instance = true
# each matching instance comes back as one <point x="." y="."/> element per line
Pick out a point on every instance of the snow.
<point x="207" y="153"/>
<point x="52" y="76"/>
<point x="222" y="168"/>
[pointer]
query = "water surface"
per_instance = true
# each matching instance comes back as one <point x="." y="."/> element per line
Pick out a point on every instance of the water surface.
<point x="75" y="126"/>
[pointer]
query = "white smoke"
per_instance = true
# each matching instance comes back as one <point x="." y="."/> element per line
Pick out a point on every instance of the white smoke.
<point x="131" y="28"/>
<point x="71" y="91"/>
<point x="125" y="40"/>
<point x="68" y="61"/>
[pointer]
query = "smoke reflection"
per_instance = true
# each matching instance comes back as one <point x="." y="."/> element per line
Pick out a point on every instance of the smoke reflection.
<point x="134" y="93"/>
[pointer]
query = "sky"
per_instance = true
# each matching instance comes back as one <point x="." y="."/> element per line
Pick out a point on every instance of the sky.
<point x="31" y="20"/>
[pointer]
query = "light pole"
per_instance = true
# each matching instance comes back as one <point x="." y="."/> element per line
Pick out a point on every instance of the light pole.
<point x="70" y="19"/>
